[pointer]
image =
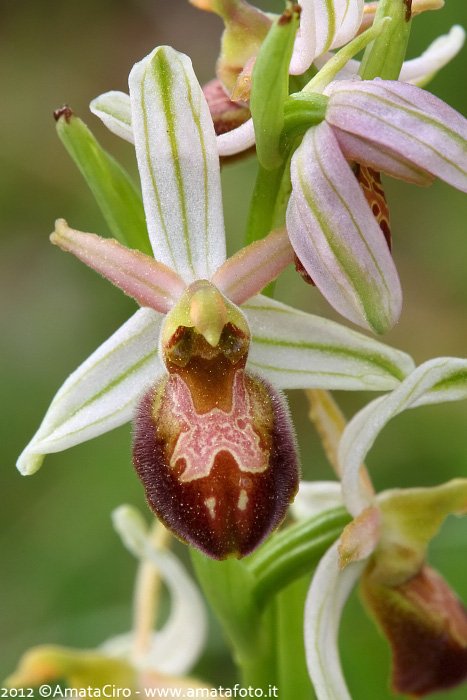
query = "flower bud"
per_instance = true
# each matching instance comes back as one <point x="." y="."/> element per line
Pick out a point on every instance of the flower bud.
<point x="213" y="444"/>
<point x="226" y="114"/>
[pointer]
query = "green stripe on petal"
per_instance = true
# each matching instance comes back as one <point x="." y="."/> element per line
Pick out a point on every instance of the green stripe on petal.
<point x="179" y="166"/>
<point x="336" y="236"/>
<point x="409" y="122"/>
<point x="103" y="392"/>
<point x="324" y="24"/>
<point x="298" y="350"/>
<point x="326" y="598"/>
<point x="114" y="109"/>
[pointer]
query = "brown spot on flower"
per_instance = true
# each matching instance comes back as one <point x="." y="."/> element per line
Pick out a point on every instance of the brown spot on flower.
<point x="287" y="15"/>
<point x="65" y="112"/>
<point x="408" y="11"/>
<point x="370" y="182"/>
<point x="299" y="267"/>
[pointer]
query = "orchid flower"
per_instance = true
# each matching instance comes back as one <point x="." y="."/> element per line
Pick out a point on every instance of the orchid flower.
<point x="167" y="655"/>
<point x="386" y="545"/>
<point x="178" y="365"/>
<point x="388" y="126"/>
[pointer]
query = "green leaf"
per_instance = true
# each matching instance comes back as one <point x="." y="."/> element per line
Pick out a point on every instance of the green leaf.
<point x="294" y="551"/>
<point x="116" y="195"/>
<point x="270" y="87"/>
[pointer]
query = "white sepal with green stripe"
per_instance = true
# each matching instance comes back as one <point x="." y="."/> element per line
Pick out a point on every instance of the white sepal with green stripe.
<point x="103" y="392"/>
<point x="327" y="595"/>
<point x="324" y="24"/>
<point x="179" y="166"/>
<point x="435" y="381"/>
<point x="294" y="349"/>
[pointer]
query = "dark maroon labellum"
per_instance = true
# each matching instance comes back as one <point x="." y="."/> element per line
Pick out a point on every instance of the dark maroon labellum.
<point x="426" y="625"/>
<point x="219" y="474"/>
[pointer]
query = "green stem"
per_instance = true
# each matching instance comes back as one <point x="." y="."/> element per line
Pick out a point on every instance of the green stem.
<point x="384" y="57"/>
<point x="293" y="678"/>
<point x="228" y="586"/>
<point x="262" y="216"/>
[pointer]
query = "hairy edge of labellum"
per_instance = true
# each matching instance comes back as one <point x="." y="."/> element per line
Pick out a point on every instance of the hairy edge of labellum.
<point x="228" y="512"/>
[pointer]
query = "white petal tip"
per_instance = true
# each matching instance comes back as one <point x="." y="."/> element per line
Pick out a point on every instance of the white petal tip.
<point x="236" y="140"/>
<point x="131" y="527"/>
<point x="29" y="462"/>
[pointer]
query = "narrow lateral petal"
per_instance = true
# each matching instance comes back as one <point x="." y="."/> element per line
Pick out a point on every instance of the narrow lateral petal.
<point x="336" y="236"/>
<point x="114" y="109"/>
<point x="324" y="24"/>
<point x="179" y="166"/>
<point x="296" y="350"/>
<point x="252" y="268"/>
<point x="176" y="647"/>
<point x="418" y="71"/>
<point x="102" y="393"/>
<point x="326" y="598"/>
<point x="411" y="123"/>
<point x="435" y="381"/>
<point x="149" y="282"/>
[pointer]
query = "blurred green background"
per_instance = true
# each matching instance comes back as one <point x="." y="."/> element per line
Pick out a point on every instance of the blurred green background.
<point x="65" y="577"/>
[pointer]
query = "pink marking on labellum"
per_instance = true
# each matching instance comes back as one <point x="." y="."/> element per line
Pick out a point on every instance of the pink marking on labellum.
<point x="234" y="500"/>
<point x="205" y="435"/>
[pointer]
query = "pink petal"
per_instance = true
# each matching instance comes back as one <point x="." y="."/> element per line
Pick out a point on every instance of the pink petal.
<point x="336" y="236"/>
<point x="381" y="159"/>
<point x="252" y="268"/>
<point x="149" y="282"/>
<point x="407" y="122"/>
